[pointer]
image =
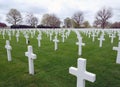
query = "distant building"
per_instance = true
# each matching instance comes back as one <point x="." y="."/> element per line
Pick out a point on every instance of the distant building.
<point x="21" y="26"/>
<point x="3" y="25"/>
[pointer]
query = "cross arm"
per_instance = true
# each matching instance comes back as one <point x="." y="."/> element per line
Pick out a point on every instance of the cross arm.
<point x="8" y="47"/>
<point x="115" y="48"/>
<point x="77" y="43"/>
<point x="73" y="71"/>
<point x="90" y="76"/>
<point x="26" y="53"/>
<point x="34" y="56"/>
<point x="83" y="44"/>
<point x="39" y="38"/>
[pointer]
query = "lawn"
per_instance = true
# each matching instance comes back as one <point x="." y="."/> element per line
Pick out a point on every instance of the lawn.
<point x="52" y="67"/>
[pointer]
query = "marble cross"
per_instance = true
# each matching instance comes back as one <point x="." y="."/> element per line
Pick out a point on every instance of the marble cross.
<point x="81" y="73"/>
<point x="17" y="37"/>
<point x="31" y="57"/>
<point x="39" y="40"/>
<point x="3" y="33"/>
<point x="9" y="34"/>
<point x="27" y="38"/>
<point x="55" y="42"/>
<point x="63" y="37"/>
<point x="51" y="36"/>
<point x="80" y="44"/>
<point x="118" y="53"/>
<point x="93" y="36"/>
<point x="101" y="39"/>
<point x="8" y="48"/>
<point x="112" y="37"/>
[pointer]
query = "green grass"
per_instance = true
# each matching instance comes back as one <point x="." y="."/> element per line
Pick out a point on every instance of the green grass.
<point x="52" y="67"/>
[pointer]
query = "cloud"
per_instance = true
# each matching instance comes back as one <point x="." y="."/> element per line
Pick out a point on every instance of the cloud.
<point x="116" y="14"/>
<point x="62" y="8"/>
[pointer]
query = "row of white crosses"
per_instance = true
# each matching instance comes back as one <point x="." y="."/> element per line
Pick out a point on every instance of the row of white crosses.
<point x="29" y="54"/>
<point x="101" y="39"/>
<point x="32" y="32"/>
<point x="79" y="72"/>
<point x="63" y="35"/>
<point x="79" y="43"/>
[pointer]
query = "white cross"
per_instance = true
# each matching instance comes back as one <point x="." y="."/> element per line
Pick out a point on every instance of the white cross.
<point x="17" y="37"/>
<point x="93" y="35"/>
<point x="13" y="32"/>
<point x="47" y="33"/>
<point x="55" y="42"/>
<point x="89" y="33"/>
<point x="67" y="34"/>
<point x="3" y="34"/>
<point x="32" y="34"/>
<point x="81" y="73"/>
<point x="39" y="38"/>
<point x="80" y="44"/>
<point x="9" y="34"/>
<point x="56" y="32"/>
<point x="118" y="53"/>
<point x="27" y="38"/>
<point x="51" y="36"/>
<point x="63" y="37"/>
<point x="119" y="36"/>
<point x="9" y="48"/>
<point x="101" y="39"/>
<point x="112" y="38"/>
<point x="30" y="56"/>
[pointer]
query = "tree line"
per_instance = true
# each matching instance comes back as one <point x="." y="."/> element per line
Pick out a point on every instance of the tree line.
<point x="101" y="20"/>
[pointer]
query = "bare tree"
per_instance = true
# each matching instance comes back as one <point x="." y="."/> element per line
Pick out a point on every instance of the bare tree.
<point x="103" y="16"/>
<point x="54" y="21"/>
<point x="32" y="20"/>
<point x="86" y="24"/>
<point x="50" y="20"/>
<point x="115" y="25"/>
<point x="78" y="18"/>
<point x="68" y="22"/>
<point x="96" y="23"/>
<point x="45" y="20"/>
<point x="14" y="17"/>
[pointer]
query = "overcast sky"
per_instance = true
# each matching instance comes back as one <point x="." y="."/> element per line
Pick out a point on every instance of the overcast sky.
<point x="62" y="8"/>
